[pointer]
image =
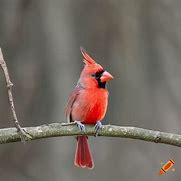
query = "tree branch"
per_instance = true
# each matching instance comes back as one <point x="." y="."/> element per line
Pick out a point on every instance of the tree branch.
<point x="8" y="135"/>
<point x="24" y="136"/>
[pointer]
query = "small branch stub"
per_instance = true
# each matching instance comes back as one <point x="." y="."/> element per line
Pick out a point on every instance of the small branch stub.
<point x="24" y="136"/>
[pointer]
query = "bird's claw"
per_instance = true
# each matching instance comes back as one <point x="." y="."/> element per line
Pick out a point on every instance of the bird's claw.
<point x="80" y="125"/>
<point x="97" y="127"/>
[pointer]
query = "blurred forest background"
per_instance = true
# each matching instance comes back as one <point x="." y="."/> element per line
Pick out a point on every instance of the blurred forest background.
<point x="137" y="41"/>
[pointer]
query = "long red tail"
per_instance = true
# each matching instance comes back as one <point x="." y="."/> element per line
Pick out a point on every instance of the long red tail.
<point x="83" y="156"/>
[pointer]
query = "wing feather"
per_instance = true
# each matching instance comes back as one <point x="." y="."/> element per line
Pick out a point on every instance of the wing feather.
<point x="71" y="100"/>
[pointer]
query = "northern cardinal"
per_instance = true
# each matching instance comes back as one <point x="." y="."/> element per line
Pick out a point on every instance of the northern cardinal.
<point x="87" y="104"/>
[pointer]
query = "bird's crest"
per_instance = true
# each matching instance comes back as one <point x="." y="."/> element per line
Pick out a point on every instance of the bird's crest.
<point x="86" y="58"/>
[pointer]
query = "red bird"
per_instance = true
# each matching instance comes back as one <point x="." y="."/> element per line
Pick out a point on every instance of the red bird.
<point x="87" y="104"/>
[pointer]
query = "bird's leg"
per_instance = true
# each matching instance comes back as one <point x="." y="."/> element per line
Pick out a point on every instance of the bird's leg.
<point x="97" y="127"/>
<point x="80" y="125"/>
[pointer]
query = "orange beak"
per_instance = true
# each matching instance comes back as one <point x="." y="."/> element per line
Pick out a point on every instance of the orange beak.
<point x="106" y="76"/>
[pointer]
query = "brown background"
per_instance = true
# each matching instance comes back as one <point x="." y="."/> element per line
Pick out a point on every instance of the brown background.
<point x="137" y="41"/>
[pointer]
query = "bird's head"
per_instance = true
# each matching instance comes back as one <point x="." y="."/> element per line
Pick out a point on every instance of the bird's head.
<point x="93" y="74"/>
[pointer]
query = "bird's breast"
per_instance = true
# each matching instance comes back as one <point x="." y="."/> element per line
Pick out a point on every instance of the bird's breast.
<point x="90" y="106"/>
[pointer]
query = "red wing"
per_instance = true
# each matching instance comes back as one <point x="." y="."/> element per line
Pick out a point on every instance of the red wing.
<point x="71" y="100"/>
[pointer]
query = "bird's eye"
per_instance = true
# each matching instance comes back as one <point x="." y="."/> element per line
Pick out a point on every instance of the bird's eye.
<point x="97" y="74"/>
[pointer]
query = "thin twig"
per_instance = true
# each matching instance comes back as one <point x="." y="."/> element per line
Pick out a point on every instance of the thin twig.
<point x="8" y="135"/>
<point x="24" y="136"/>
<point x="69" y="123"/>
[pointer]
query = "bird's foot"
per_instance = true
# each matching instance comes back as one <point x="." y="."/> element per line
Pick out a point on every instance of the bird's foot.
<point x="97" y="127"/>
<point x="80" y="125"/>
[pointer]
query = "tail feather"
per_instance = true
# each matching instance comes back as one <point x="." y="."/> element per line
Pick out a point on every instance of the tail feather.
<point x="83" y="156"/>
